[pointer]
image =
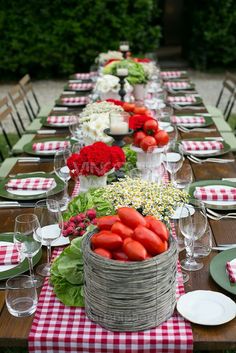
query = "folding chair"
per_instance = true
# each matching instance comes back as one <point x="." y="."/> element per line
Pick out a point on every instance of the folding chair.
<point x="6" y="116"/>
<point x="226" y="98"/>
<point x="17" y="98"/>
<point x="27" y="88"/>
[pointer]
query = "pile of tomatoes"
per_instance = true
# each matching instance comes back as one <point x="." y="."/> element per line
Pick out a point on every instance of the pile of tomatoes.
<point x="128" y="236"/>
<point x="151" y="136"/>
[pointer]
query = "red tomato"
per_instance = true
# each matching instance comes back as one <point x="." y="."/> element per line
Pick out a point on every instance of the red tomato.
<point x="162" y="138"/>
<point x="157" y="227"/>
<point x="140" y="110"/>
<point x="135" y="250"/>
<point x="152" y="243"/>
<point x="107" y="241"/>
<point x="130" y="217"/>
<point x="150" y="127"/>
<point x="106" y="222"/>
<point x="119" y="255"/>
<point x="148" y="143"/>
<point x="127" y="240"/>
<point x="138" y="137"/>
<point x="103" y="252"/>
<point x="122" y="230"/>
<point x="128" y="107"/>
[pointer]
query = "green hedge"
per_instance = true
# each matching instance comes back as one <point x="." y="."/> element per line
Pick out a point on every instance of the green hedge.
<point x="56" y="37"/>
<point x="211" y="33"/>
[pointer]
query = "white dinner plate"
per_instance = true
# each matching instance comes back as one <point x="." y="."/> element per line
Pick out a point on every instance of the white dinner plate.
<point x="206" y="307"/>
<point x="8" y="267"/>
<point x="166" y="126"/>
<point x="204" y="153"/>
<point x="51" y="232"/>
<point x="177" y="213"/>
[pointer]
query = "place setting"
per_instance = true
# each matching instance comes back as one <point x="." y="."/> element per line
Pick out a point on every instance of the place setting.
<point x="72" y="101"/>
<point x="173" y="75"/>
<point x="204" y="147"/>
<point x="79" y="86"/>
<point x="46" y="147"/>
<point x="59" y="121"/>
<point x="191" y="123"/>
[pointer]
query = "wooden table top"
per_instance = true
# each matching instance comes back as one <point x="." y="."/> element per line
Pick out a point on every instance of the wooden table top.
<point x="14" y="331"/>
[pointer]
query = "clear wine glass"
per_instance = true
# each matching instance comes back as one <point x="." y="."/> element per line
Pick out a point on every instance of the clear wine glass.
<point x="75" y="129"/>
<point x="202" y="246"/>
<point x="192" y="224"/>
<point x="27" y="237"/>
<point x="183" y="177"/>
<point x="173" y="158"/>
<point x="51" y="221"/>
<point x="63" y="172"/>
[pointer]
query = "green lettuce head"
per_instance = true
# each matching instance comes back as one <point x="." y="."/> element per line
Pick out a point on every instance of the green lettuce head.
<point x="136" y="71"/>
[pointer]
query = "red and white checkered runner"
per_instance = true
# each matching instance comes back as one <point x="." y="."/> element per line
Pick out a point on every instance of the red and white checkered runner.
<point x="59" y="328"/>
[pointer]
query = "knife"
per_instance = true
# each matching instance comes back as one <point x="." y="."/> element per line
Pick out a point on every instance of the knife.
<point x="16" y="204"/>
<point x="34" y="160"/>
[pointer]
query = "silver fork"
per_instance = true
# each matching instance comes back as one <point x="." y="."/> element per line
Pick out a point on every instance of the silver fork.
<point x="221" y="217"/>
<point x="190" y="107"/>
<point x="194" y="159"/>
<point x="203" y="129"/>
<point x="216" y="214"/>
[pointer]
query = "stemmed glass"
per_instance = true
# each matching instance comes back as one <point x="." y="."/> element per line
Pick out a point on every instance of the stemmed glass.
<point x="75" y="129"/>
<point x="192" y="224"/>
<point x="27" y="237"/>
<point x="50" y="218"/>
<point x="173" y="158"/>
<point x="183" y="177"/>
<point x="63" y="172"/>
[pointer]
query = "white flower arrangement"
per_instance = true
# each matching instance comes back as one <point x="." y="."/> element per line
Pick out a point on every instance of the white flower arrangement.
<point x="95" y="118"/>
<point x="149" y="69"/>
<point x="110" y="83"/>
<point x="111" y="54"/>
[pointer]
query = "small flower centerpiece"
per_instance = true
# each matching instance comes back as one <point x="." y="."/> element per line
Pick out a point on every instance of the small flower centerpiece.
<point x="137" y="77"/>
<point x="111" y="55"/>
<point x="94" y="120"/>
<point x="93" y="164"/>
<point x="108" y="86"/>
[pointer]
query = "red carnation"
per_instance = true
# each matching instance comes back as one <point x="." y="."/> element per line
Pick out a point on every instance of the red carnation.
<point x="97" y="159"/>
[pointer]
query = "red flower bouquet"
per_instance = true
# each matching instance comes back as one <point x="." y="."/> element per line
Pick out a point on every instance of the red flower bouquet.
<point x="96" y="159"/>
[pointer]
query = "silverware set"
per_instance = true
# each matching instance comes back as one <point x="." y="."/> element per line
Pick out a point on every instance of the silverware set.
<point x="197" y="160"/>
<point x="218" y="216"/>
<point x="184" y="107"/>
<point x="199" y="129"/>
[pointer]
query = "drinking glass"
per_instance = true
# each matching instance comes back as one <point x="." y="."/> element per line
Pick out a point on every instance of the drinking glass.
<point x="164" y="114"/>
<point x="27" y="237"/>
<point x="75" y="129"/>
<point x="183" y="177"/>
<point x="21" y="296"/>
<point x="63" y="172"/>
<point x="50" y="218"/>
<point x="192" y="224"/>
<point x="202" y="246"/>
<point x="173" y="158"/>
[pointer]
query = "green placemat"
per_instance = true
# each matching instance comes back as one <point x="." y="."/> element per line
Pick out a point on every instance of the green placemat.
<point x="6" y="166"/>
<point x="34" y="126"/>
<point x="18" y="147"/>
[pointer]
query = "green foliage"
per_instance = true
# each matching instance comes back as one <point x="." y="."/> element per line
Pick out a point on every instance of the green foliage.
<point x="212" y="33"/>
<point x="57" y="37"/>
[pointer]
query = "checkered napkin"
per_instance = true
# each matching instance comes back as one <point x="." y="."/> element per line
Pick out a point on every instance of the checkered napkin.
<point x="171" y="74"/>
<point x="181" y="99"/>
<point x="30" y="184"/>
<point x="50" y="145"/>
<point x="81" y="86"/>
<point x="187" y="119"/>
<point x="173" y="85"/>
<point x="215" y="194"/>
<point x="9" y="255"/>
<point x="61" y="119"/>
<point x="231" y="270"/>
<point x="202" y="145"/>
<point x="83" y="75"/>
<point x="75" y="100"/>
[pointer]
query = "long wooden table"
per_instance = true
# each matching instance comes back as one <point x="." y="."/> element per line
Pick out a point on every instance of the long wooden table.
<point x="14" y="331"/>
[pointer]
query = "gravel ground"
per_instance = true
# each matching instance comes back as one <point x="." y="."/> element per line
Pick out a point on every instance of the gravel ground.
<point x="208" y="86"/>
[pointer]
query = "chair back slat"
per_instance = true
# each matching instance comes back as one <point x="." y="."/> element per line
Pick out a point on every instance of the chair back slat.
<point x="27" y="87"/>
<point x="228" y="92"/>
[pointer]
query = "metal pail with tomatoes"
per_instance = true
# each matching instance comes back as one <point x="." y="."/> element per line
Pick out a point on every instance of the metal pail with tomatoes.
<point x="129" y="296"/>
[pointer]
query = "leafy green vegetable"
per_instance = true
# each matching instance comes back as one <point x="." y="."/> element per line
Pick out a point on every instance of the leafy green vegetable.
<point x="86" y="200"/>
<point x="67" y="274"/>
<point x="136" y="71"/>
<point x="131" y="159"/>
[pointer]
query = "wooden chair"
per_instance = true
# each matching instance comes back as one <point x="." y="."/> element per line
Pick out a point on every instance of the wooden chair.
<point x="6" y="116"/>
<point x="20" y="105"/>
<point x="27" y="89"/>
<point x="226" y="99"/>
